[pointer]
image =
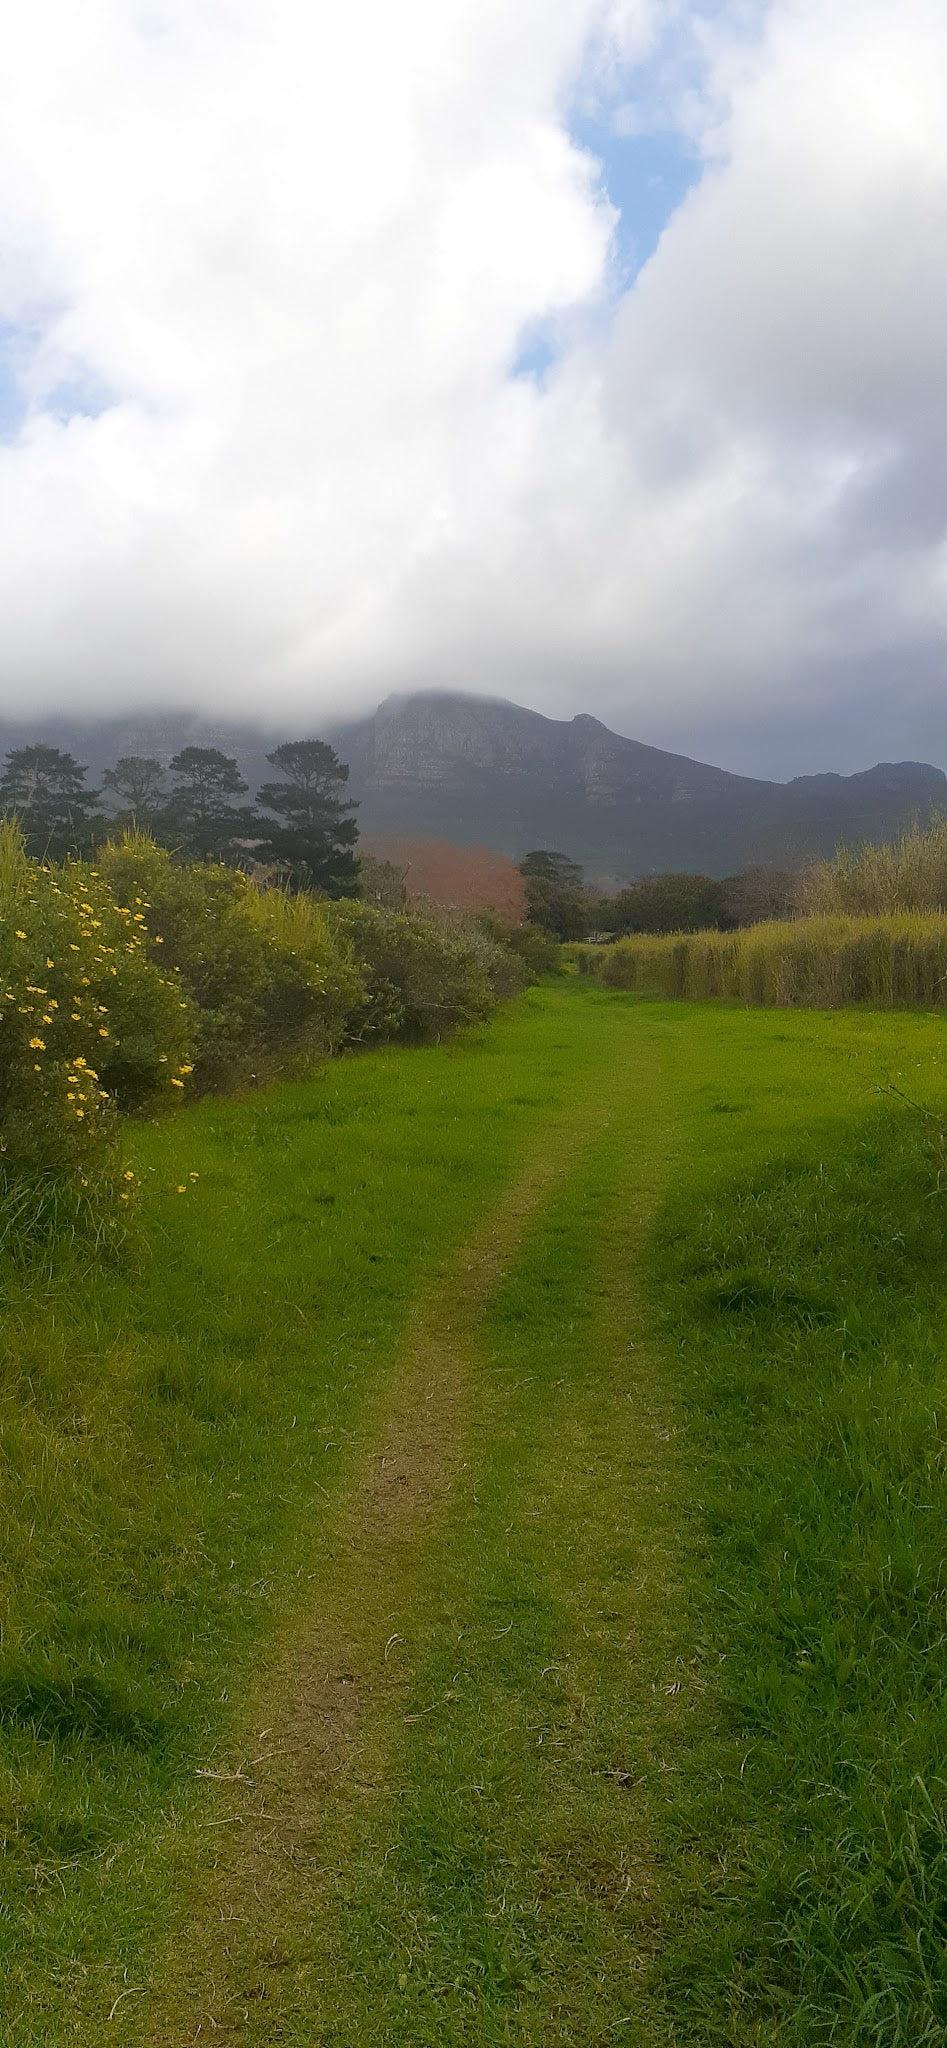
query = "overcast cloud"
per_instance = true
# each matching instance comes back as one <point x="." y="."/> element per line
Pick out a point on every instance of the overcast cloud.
<point x="323" y="371"/>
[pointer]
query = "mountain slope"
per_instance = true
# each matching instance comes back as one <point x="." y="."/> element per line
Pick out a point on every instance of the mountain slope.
<point x="494" y="774"/>
<point x="478" y="772"/>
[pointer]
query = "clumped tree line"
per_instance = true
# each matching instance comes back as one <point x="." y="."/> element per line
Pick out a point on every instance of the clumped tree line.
<point x="560" y="903"/>
<point x="302" y="823"/>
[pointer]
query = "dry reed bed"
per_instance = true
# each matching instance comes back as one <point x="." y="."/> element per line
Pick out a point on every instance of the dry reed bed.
<point x="889" y="962"/>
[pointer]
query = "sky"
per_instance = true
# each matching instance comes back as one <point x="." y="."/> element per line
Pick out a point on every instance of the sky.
<point x="590" y="353"/>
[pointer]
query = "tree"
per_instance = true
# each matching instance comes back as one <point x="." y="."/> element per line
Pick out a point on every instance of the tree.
<point x="200" y="811"/>
<point x="554" y="895"/>
<point x="46" y="790"/>
<point x="314" y="835"/>
<point x="757" y="894"/>
<point x="138" y="785"/>
<point x="664" y="903"/>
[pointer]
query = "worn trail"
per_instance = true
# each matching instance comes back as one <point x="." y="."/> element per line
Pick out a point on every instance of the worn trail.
<point x="318" y="1734"/>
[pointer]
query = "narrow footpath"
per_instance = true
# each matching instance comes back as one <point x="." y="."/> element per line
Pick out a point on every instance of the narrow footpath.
<point x="437" y="1829"/>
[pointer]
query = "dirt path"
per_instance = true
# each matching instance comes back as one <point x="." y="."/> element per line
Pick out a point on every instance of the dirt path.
<point x="322" y="1721"/>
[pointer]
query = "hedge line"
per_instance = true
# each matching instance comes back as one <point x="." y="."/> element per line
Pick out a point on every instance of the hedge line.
<point x="137" y="980"/>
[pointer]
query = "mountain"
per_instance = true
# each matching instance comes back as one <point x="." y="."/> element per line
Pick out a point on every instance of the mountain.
<point x="493" y="774"/>
<point x="485" y="773"/>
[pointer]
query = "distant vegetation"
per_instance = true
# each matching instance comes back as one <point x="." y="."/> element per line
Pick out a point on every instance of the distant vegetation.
<point x="144" y="977"/>
<point x="302" y="824"/>
<point x="466" y="877"/>
<point x="560" y="904"/>
<point x="870" y="927"/>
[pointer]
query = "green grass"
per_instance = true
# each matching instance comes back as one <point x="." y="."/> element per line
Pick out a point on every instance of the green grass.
<point x="662" y="1757"/>
<point x="807" y="1306"/>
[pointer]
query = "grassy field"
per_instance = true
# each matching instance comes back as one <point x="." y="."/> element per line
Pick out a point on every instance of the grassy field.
<point x="477" y="1577"/>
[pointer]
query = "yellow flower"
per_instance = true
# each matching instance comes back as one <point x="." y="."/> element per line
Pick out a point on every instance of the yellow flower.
<point x="128" y="1174"/>
<point x="37" y="1070"/>
<point x="185" y="1070"/>
<point x="50" y="963"/>
<point x="192" y="1176"/>
<point x="80" y="1113"/>
<point x="175" y="1083"/>
<point x="103" y="1033"/>
<point x="38" y="1044"/>
<point x="182" y="1190"/>
<point x="21" y="935"/>
<point x="76" y="1017"/>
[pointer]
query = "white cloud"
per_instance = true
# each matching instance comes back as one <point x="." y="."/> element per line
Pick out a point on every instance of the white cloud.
<point x="291" y="252"/>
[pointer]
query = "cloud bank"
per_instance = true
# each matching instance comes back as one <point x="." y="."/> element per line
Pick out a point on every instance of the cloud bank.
<point x="268" y="283"/>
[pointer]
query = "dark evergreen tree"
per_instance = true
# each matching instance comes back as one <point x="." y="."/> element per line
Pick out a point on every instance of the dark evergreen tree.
<point x="315" y="834"/>
<point x="46" y="790"/>
<point x="200" y="815"/>
<point x="555" y="900"/>
<point x="137" y="785"/>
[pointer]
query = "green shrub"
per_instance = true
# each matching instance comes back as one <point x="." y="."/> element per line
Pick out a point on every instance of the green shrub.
<point x="537" y="953"/>
<point x="426" y="970"/>
<point x="87" y="1023"/>
<point x="270" y="979"/>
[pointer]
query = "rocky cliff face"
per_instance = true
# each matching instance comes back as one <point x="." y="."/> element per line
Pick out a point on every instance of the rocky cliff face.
<point x="483" y="773"/>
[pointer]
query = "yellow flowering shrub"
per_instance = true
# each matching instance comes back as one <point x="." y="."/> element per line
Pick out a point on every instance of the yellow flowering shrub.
<point x="88" y="1023"/>
<point x="271" y="979"/>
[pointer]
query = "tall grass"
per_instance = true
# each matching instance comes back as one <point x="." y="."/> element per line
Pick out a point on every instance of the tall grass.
<point x="868" y="881"/>
<point x="820" y="962"/>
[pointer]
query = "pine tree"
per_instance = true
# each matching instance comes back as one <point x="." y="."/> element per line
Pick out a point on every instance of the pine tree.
<point x="554" y="895"/>
<point x="200" y="814"/>
<point x="315" y="836"/>
<point x="138" y="785"/>
<point x="46" y="790"/>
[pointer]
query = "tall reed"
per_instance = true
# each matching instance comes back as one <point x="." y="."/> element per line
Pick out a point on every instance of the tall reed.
<point x="820" y="962"/>
<point x="909" y="873"/>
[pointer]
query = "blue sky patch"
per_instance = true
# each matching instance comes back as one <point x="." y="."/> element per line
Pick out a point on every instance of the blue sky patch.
<point x="646" y="178"/>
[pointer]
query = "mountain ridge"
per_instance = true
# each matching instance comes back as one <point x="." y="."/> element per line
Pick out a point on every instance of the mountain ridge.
<point x="482" y="771"/>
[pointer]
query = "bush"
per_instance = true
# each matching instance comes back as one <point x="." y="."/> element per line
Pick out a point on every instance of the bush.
<point x="537" y="953"/>
<point x="88" y="1023"/>
<point x="271" y="980"/>
<point x="426" y="971"/>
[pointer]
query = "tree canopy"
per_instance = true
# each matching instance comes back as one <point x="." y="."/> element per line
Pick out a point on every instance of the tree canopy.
<point x="555" y="899"/>
<point x="47" y="791"/>
<point x="312" y="832"/>
<point x="201" y="811"/>
<point x="138" y="786"/>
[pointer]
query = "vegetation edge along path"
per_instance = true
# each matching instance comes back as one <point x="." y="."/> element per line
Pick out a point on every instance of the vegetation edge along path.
<point x="308" y="1723"/>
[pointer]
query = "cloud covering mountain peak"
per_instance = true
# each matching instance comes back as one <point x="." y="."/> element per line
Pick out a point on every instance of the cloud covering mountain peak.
<point x="265" y="281"/>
